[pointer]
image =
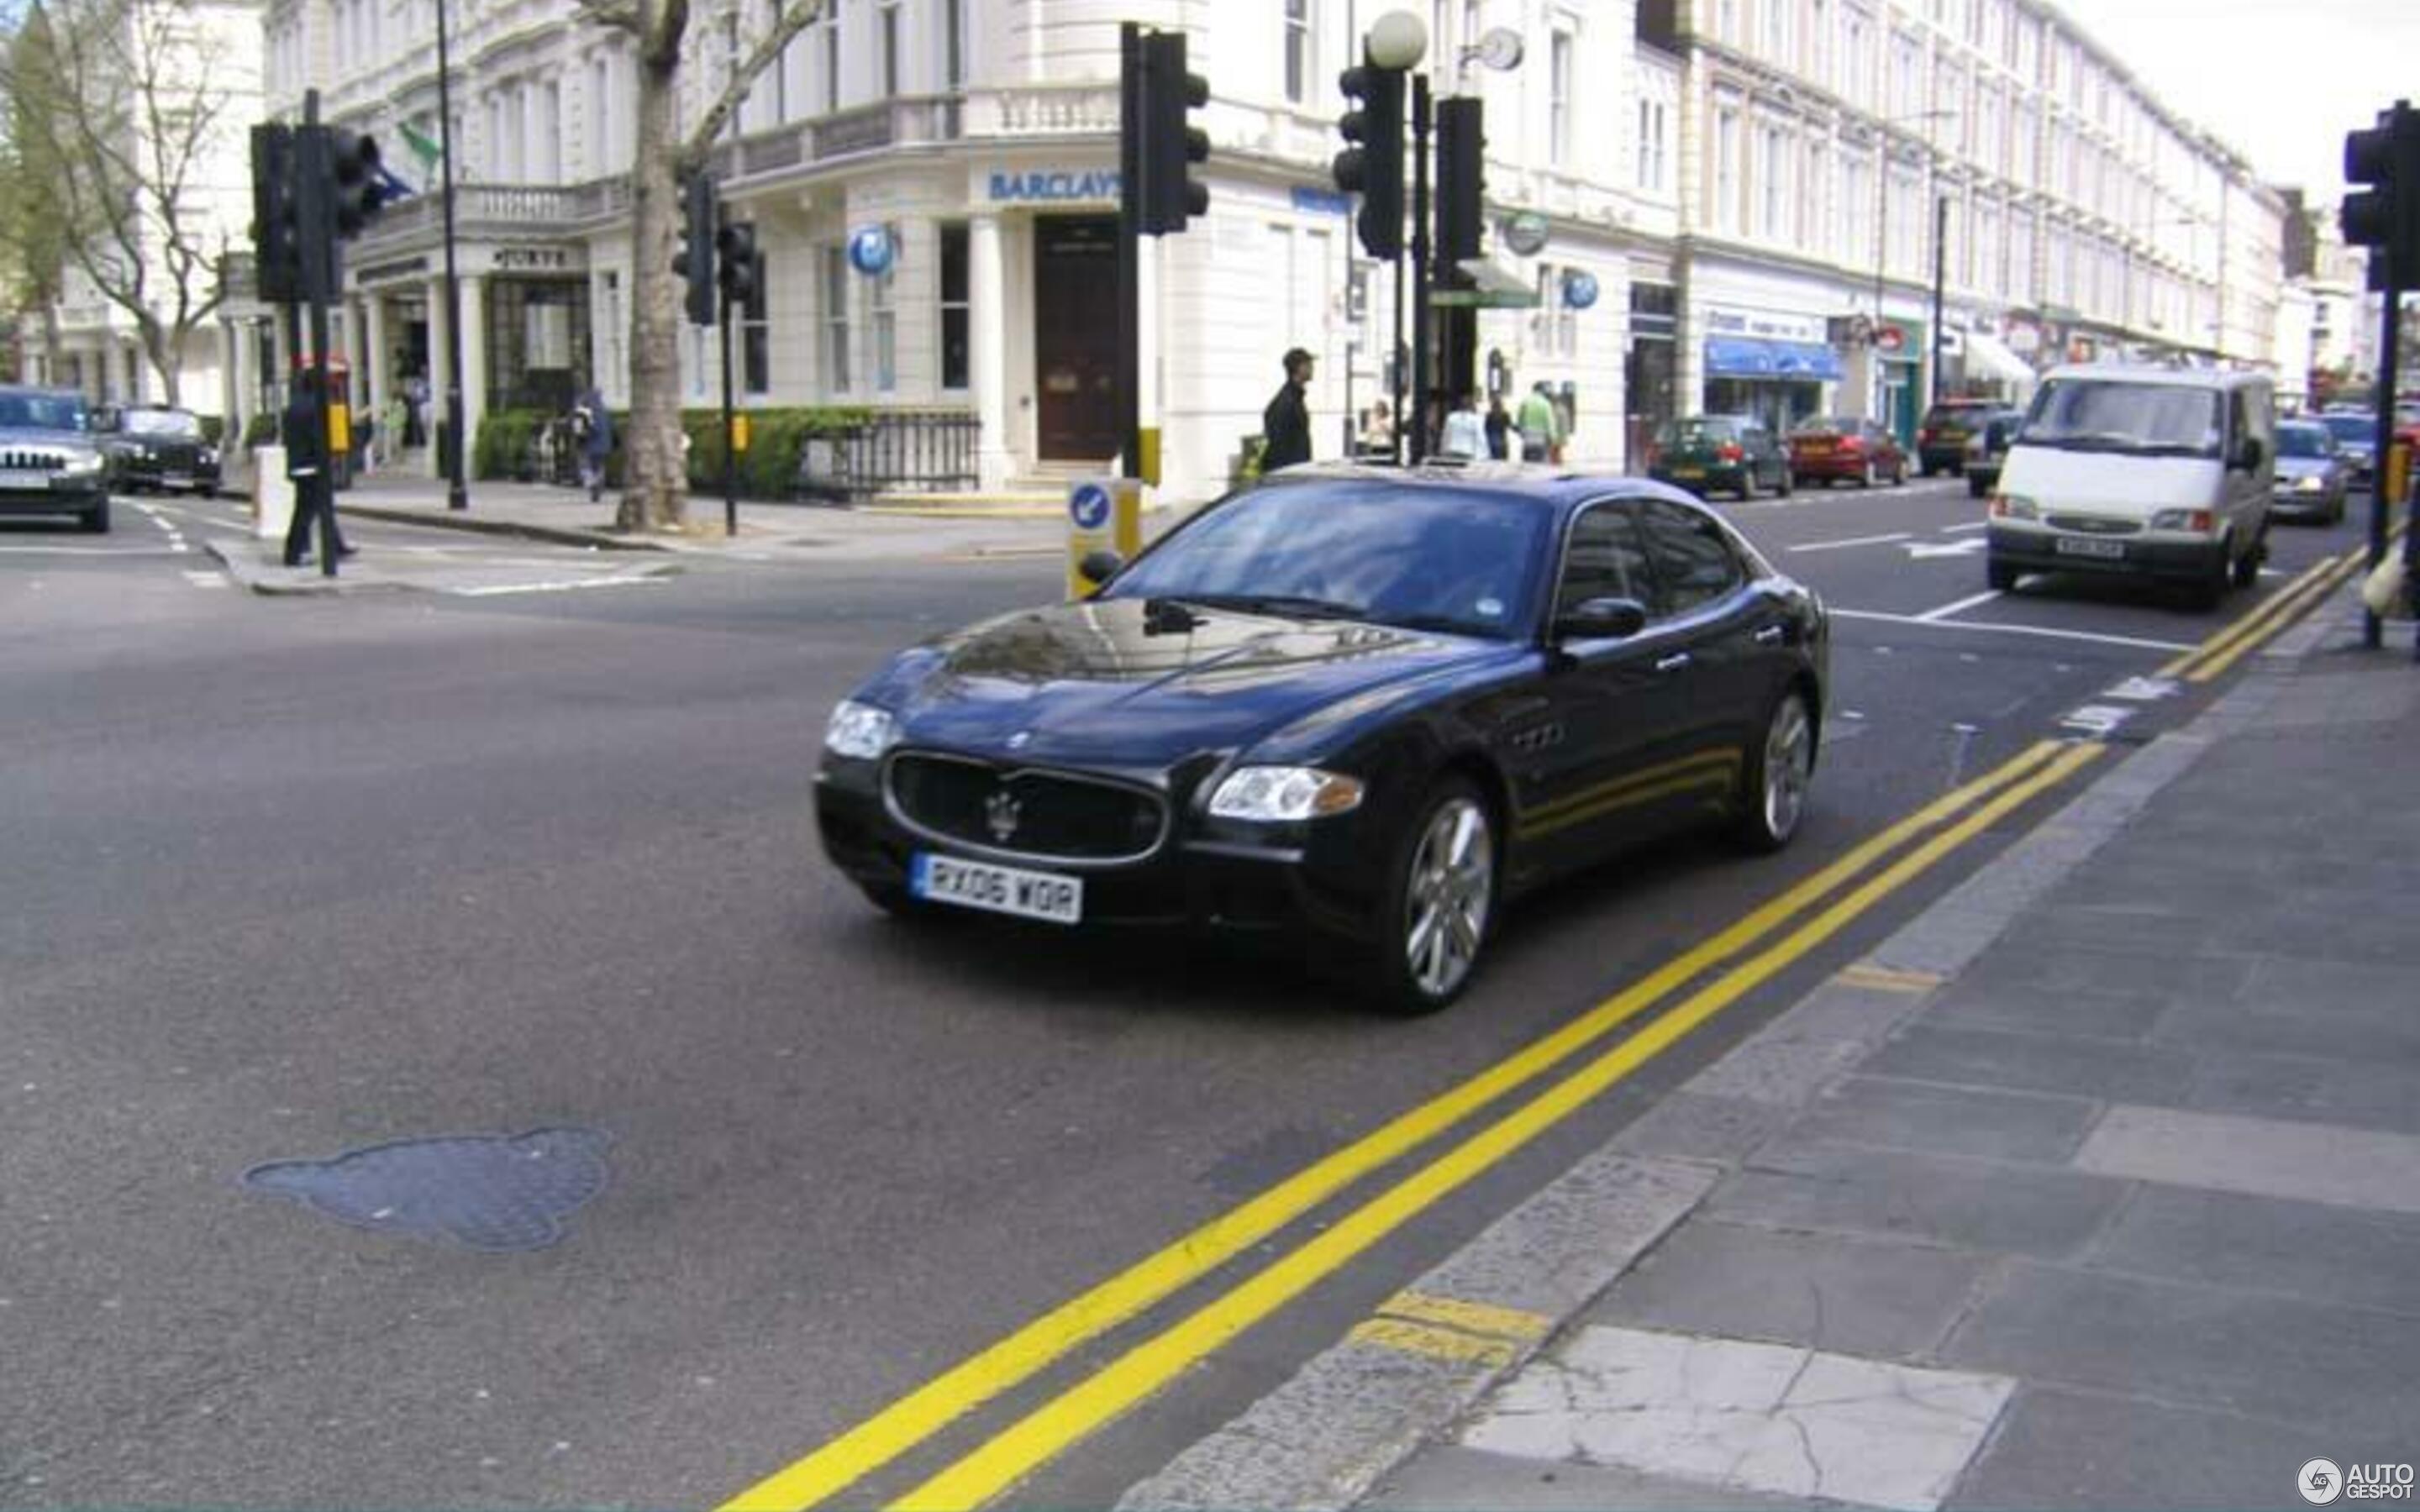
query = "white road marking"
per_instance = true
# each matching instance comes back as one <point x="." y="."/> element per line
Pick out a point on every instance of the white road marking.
<point x="2144" y="689"/>
<point x="559" y="586"/>
<point x="1927" y="551"/>
<point x="2010" y="629"/>
<point x="1854" y="540"/>
<point x="1946" y="610"/>
<point x="205" y="579"/>
<point x="2097" y="719"/>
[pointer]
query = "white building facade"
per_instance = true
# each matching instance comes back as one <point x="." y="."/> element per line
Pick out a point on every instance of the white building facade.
<point x="1708" y="171"/>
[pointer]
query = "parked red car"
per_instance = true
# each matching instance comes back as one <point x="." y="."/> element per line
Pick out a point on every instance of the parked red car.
<point x="1829" y="448"/>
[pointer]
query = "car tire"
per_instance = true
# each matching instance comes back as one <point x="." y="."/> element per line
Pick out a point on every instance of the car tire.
<point x="1999" y="576"/>
<point x="1975" y="488"/>
<point x="1870" y="478"/>
<point x="1898" y="474"/>
<point x="1439" y="905"/>
<point x="1786" y="483"/>
<point x="1771" y="799"/>
<point x="1747" y="485"/>
<point x="96" y="519"/>
<point x="2247" y="570"/>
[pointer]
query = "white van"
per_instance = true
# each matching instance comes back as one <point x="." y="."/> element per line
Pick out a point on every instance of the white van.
<point x="2155" y="472"/>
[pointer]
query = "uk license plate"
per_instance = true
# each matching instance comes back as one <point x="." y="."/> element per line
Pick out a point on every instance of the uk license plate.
<point x="21" y="481"/>
<point x="1688" y="472"/>
<point x="2069" y="545"/>
<point x="996" y="889"/>
<point x="176" y="480"/>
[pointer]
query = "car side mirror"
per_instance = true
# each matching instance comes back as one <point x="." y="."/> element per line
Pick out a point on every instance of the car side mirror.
<point x="1100" y="567"/>
<point x="1601" y="619"/>
<point x="2247" y="454"/>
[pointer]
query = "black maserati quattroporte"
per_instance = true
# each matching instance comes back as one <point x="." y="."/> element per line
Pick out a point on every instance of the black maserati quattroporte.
<point x="1369" y="704"/>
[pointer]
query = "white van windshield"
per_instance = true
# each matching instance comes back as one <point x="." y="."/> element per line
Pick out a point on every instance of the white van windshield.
<point x="2145" y="419"/>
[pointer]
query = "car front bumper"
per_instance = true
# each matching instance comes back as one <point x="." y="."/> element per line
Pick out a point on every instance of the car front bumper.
<point x="1315" y="877"/>
<point x="61" y="498"/>
<point x="2306" y="505"/>
<point x="2165" y="555"/>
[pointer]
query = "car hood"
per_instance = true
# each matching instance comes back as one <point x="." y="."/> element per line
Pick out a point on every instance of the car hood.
<point x="1123" y="684"/>
<point x="2108" y="481"/>
<point x="59" y="441"/>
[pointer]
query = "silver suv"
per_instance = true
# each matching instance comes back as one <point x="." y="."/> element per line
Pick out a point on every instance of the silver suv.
<point x="49" y="462"/>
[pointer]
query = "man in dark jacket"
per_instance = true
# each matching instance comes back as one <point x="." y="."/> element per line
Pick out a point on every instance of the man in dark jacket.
<point x="1286" y="423"/>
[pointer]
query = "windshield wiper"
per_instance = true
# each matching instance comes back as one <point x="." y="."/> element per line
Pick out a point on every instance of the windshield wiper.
<point x="1289" y="606"/>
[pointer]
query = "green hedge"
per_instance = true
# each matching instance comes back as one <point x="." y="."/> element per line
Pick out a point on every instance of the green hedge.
<point x="261" y="429"/>
<point x="768" y="470"/>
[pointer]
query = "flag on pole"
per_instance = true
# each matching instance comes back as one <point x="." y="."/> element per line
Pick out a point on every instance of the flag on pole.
<point x="421" y="148"/>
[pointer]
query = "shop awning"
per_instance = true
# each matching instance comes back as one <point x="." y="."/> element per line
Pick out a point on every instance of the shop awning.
<point x="1788" y="361"/>
<point x="1991" y="358"/>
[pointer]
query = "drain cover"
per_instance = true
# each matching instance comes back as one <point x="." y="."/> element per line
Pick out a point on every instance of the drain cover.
<point x="486" y="1191"/>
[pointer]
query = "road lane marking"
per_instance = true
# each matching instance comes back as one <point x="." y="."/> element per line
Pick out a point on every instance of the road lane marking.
<point x="1855" y="540"/>
<point x="912" y="1419"/>
<point x="564" y="585"/>
<point x="1042" y="1434"/>
<point x="1984" y="626"/>
<point x="2214" y="655"/>
<point x="1932" y="616"/>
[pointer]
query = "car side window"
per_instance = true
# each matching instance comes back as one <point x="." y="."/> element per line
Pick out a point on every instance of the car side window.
<point x="1605" y="560"/>
<point x="1691" y="558"/>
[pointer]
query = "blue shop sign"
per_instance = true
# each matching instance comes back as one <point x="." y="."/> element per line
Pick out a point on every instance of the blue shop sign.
<point x="1321" y="201"/>
<point x="1054" y="186"/>
<point x="872" y="251"/>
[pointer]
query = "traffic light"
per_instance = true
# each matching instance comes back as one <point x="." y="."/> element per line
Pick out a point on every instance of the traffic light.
<point x="356" y="191"/>
<point x="276" y="215"/>
<point x="2387" y="215"/>
<point x="1461" y="221"/>
<point x="695" y="261"/>
<point x="1372" y="167"/>
<point x="1170" y="143"/>
<point x="735" y="245"/>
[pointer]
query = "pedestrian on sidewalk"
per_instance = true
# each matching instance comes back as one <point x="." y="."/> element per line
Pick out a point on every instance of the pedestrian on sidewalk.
<point x="1499" y="429"/>
<point x="592" y="429"/>
<point x="1465" y="433"/>
<point x="1541" y="424"/>
<point x="1285" y="424"/>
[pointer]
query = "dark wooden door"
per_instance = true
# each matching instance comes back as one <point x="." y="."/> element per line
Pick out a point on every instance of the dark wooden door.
<point x="1076" y="336"/>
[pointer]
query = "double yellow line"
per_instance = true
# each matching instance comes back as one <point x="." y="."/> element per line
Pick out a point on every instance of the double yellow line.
<point x="2255" y="629"/>
<point x="999" y="1463"/>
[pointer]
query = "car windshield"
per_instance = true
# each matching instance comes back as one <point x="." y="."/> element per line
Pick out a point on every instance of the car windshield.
<point x="172" y="423"/>
<point x="2305" y="440"/>
<point x="1434" y="559"/>
<point x="1699" y="432"/>
<point x="2351" y="428"/>
<point x="42" y="411"/>
<point x="2141" y="419"/>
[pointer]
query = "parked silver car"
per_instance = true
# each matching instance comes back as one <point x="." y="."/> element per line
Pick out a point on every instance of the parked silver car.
<point x="2312" y="474"/>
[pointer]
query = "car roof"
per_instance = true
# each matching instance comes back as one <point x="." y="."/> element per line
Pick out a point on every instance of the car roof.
<point x="1559" y="489"/>
<point x="2215" y="379"/>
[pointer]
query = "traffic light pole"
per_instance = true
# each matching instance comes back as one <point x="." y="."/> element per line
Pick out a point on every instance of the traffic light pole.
<point x="730" y="451"/>
<point x="1130" y="174"/>
<point x="316" y="497"/>
<point x="1422" y="310"/>
<point x="2381" y="508"/>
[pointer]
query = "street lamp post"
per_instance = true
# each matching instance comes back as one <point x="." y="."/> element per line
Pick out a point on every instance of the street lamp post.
<point x="1397" y="41"/>
<point x="458" y="495"/>
<point x="1882" y="237"/>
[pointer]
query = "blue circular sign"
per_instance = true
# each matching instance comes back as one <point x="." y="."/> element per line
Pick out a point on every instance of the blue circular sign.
<point x="1089" y="506"/>
<point x="871" y="250"/>
<point x="1579" y="288"/>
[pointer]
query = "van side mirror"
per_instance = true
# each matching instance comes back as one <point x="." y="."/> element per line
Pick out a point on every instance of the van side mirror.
<point x="2248" y="453"/>
<point x="1601" y="619"/>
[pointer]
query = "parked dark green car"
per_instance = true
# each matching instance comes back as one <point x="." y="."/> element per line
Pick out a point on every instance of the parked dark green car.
<point x="1720" y="453"/>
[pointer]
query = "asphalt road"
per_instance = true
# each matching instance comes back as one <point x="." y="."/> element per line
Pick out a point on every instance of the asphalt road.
<point x="290" y="878"/>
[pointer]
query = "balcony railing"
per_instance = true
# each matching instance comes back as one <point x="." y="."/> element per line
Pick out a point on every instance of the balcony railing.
<point x="510" y="209"/>
<point x="1044" y="110"/>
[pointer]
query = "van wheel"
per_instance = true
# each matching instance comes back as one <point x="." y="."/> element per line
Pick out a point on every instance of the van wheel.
<point x="2210" y="591"/>
<point x="2000" y="577"/>
<point x="2247" y="566"/>
<point x="1974" y="486"/>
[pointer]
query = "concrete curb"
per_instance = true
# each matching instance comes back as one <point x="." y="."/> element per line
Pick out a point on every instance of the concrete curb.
<point x="1357" y="1411"/>
<point x="550" y="534"/>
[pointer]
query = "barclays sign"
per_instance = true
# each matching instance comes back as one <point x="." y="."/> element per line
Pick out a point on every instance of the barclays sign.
<point x="1053" y="187"/>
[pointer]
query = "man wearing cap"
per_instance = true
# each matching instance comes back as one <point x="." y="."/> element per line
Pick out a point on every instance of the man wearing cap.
<point x="1286" y="423"/>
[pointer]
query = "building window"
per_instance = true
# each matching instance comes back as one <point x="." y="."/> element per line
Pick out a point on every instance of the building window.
<point x="549" y="132"/>
<point x="955" y="352"/>
<point x="890" y="49"/>
<point x="1773" y="171"/>
<point x="1559" y="100"/>
<point x="835" y="318"/>
<point x="1301" y="66"/>
<point x="1819" y="35"/>
<point x="757" y="331"/>
<point x="953" y="45"/>
<point x="885" y="323"/>
<point x="1776" y="33"/>
<point x="1856" y="52"/>
<point x="1726" y="170"/>
<point x="832" y="56"/>
<point x="1653" y="146"/>
<point x="780" y="68"/>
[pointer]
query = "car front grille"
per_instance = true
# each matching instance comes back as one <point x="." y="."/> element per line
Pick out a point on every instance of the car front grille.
<point x="2094" y="525"/>
<point x="1023" y="812"/>
<point x="20" y="459"/>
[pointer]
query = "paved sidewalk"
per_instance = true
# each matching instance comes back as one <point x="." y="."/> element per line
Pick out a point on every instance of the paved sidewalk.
<point x="948" y="527"/>
<point x="2097" y="1185"/>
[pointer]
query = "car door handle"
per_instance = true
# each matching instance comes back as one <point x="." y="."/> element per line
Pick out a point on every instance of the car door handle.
<point x="1672" y="663"/>
<point x="1772" y="635"/>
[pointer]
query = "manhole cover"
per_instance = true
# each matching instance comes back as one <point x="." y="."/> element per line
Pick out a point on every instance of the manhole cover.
<point x="486" y="1191"/>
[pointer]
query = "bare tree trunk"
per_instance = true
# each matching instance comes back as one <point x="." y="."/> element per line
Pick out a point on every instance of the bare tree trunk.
<point x="167" y="358"/>
<point x="656" y="492"/>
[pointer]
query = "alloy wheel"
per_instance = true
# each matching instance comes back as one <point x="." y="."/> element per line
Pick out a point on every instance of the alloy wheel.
<point x="1789" y="765"/>
<point x="1453" y="886"/>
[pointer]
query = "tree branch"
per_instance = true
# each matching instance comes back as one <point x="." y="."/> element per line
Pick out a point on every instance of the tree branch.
<point x="797" y="19"/>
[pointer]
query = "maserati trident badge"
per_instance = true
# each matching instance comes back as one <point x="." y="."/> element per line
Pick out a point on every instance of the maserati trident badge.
<point x="1000" y="815"/>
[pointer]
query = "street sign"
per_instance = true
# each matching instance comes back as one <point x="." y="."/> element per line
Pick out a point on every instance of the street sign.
<point x="1088" y="506"/>
<point x="1103" y="514"/>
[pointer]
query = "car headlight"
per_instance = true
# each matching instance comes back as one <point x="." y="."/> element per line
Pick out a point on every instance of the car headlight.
<point x="2014" y="506"/>
<point x="82" y="466"/>
<point x="2196" y="521"/>
<point x="860" y="731"/>
<point x="1281" y="793"/>
<point x="2311" y="483"/>
<point x="209" y="457"/>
